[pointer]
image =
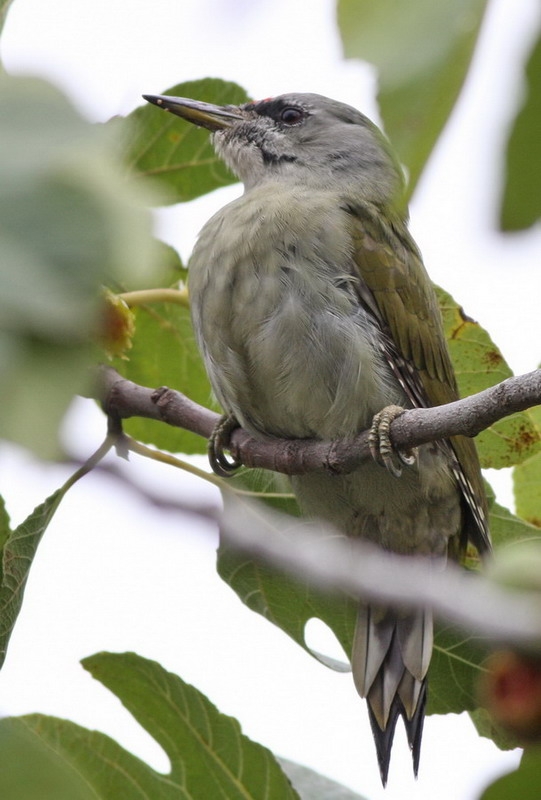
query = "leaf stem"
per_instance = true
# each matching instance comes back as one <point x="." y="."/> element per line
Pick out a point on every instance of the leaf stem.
<point x="173" y="461"/>
<point x="90" y="463"/>
<point x="147" y="296"/>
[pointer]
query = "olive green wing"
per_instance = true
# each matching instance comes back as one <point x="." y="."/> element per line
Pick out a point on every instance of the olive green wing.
<point x="395" y="286"/>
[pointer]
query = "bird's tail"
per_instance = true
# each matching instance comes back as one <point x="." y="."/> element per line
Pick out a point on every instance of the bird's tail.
<point x="390" y="658"/>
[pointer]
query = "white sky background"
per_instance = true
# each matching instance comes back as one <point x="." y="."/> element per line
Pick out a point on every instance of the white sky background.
<point x="113" y="575"/>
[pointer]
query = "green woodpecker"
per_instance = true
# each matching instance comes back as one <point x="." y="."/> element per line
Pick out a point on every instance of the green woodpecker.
<point x="314" y="312"/>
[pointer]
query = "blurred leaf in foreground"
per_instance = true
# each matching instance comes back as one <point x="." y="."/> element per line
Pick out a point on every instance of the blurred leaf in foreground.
<point x="69" y="222"/>
<point x="521" y="202"/>
<point x="422" y="51"/>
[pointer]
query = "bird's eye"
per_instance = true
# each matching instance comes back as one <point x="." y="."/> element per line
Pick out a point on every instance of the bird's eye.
<point x="291" y="115"/>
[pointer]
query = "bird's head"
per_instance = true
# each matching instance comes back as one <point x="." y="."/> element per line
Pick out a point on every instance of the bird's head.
<point x="305" y="138"/>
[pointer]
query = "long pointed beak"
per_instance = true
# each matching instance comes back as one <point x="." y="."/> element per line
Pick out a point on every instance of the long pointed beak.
<point x="206" y="115"/>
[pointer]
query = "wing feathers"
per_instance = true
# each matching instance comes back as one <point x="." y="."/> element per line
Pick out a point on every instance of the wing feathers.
<point x="393" y="280"/>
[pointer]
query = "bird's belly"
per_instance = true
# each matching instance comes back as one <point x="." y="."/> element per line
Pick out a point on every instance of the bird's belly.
<point x="293" y="366"/>
<point x="288" y="347"/>
<point x="416" y="513"/>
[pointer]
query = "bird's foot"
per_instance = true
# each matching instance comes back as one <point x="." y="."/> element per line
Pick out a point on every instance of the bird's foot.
<point x="380" y="444"/>
<point x="219" y="441"/>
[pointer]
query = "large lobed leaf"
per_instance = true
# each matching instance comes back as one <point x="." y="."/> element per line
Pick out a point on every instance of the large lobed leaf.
<point x="209" y="755"/>
<point x="422" y="50"/>
<point x="176" y="154"/>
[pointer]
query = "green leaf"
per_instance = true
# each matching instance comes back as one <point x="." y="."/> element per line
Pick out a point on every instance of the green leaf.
<point x="176" y="154"/>
<point x="164" y="352"/>
<point x="5" y="529"/>
<point x="288" y="602"/>
<point x="485" y="727"/>
<point x="455" y="668"/>
<point x="17" y="556"/>
<point x="527" y="480"/>
<point x="523" y="783"/>
<point x="29" y="770"/>
<point x="521" y="202"/>
<point x="273" y="489"/>
<point x="422" y="50"/>
<point x="526" y="483"/>
<point x="506" y="528"/>
<point x="68" y="223"/>
<point x="479" y="364"/>
<point x="209" y="755"/>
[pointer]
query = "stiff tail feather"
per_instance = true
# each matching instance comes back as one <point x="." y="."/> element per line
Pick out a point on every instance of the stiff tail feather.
<point x="390" y="658"/>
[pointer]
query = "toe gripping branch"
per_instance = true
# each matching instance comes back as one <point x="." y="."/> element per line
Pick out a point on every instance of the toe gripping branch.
<point x="219" y="441"/>
<point x="381" y="448"/>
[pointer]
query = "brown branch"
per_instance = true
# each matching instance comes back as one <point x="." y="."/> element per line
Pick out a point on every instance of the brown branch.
<point x="121" y="399"/>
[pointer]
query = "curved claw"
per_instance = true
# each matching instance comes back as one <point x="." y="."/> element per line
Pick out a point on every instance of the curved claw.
<point x="381" y="447"/>
<point x="219" y="442"/>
